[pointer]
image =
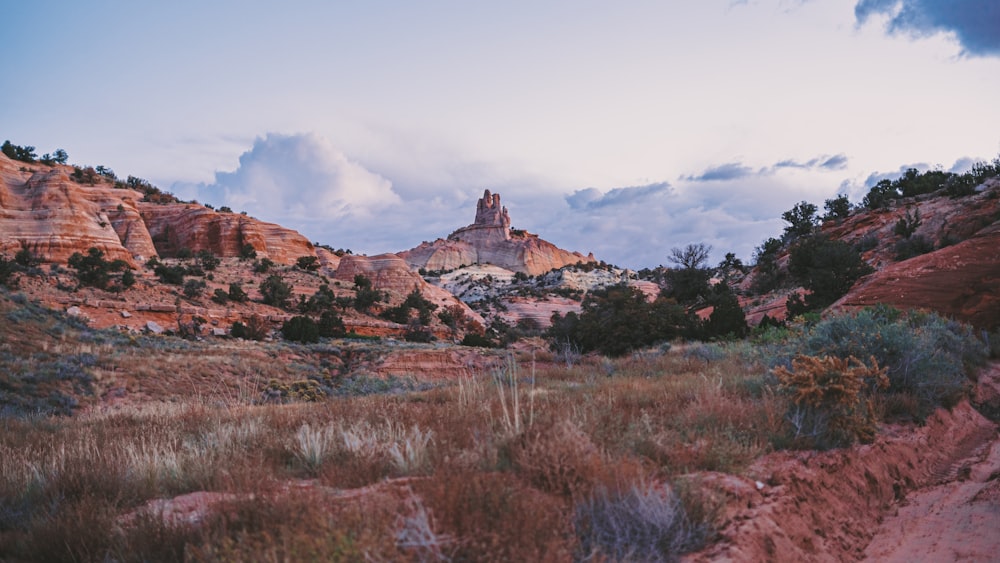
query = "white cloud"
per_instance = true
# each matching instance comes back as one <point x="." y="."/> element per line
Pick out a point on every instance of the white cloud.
<point x="285" y="177"/>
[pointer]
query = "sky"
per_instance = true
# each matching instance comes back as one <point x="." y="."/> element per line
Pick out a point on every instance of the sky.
<point x="619" y="128"/>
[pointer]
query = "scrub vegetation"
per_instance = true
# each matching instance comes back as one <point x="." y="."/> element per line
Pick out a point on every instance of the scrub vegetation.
<point x="528" y="460"/>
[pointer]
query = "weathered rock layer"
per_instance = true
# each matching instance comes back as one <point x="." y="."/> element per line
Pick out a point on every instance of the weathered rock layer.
<point x="45" y="210"/>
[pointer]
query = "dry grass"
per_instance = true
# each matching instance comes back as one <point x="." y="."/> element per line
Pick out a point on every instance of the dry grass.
<point x="492" y="467"/>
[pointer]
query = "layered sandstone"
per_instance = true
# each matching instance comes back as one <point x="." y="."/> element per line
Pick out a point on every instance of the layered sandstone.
<point x="490" y="240"/>
<point x="42" y="208"/>
<point x="55" y="217"/>
<point x="188" y="225"/>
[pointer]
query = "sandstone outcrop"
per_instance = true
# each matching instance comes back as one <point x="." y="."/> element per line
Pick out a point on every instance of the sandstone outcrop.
<point x="490" y="240"/>
<point x="43" y="208"/>
<point x="961" y="281"/>
<point x="55" y="217"/>
<point x="175" y="226"/>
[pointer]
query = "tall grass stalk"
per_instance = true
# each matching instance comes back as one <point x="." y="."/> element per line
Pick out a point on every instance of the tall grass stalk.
<point x="505" y="379"/>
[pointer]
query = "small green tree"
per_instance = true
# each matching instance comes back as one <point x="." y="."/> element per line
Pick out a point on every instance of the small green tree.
<point x="907" y="224"/>
<point x="247" y="252"/>
<point x="93" y="270"/>
<point x="881" y="195"/>
<point x="7" y="270"/>
<point x="827" y="268"/>
<point x="275" y="291"/>
<point x="237" y="294"/>
<point x="727" y="318"/>
<point x="173" y="275"/>
<point x="307" y="263"/>
<point x="365" y="295"/>
<point x="208" y="260"/>
<point x="263" y="266"/>
<point x="801" y="220"/>
<point x="331" y="325"/>
<point x="193" y="288"/>
<point x="837" y="208"/>
<point x="689" y="281"/>
<point x="300" y="329"/>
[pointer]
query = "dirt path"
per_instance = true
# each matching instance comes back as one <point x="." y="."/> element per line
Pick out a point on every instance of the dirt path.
<point x="955" y="521"/>
<point x="957" y="516"/>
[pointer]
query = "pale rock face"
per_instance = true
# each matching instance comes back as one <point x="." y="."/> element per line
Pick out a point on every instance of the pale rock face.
<point x="489" y="240"/>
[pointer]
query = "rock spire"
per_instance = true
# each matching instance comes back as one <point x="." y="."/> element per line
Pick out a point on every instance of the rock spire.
<point x="489" y="212"/>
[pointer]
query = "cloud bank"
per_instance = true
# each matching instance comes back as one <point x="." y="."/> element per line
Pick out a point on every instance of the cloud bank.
<point x="975" y="23"/>
<point x="288" y="176"/>
<point x="306" y="183"/>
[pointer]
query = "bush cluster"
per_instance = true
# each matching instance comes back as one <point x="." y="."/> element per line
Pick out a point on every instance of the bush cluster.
<point x="928" y="359"/>
<point x="94" y="271"/>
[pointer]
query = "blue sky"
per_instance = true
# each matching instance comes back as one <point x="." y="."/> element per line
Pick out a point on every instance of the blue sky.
<point x="620" y="128"/>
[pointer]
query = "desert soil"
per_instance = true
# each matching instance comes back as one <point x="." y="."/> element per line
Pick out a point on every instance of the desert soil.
<point x="956" y="517"/>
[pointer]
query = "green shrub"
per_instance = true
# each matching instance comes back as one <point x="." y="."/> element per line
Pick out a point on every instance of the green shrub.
<point x="275" y="291"/>
<point x="907" y="224"/>
<point x="220" y="296"/>
<point x="93" y="270"/>
<point x="866" y="243"/>
<point x="173" y="275"/>
<point x="254" y="329"/>
<point x="307" y="263"/>
<point x="237" y="294"/>
<point x="827" y="268"/>
<point x="331" y="325"/>
<point x="247" y="252"/>
<point x="801" y="220"/>
<point x="300" y="329"/>
<point x="193" y="288"/>
<point x="912" y="247"/>
<point x="208" y="261"/>
<point x="837" y="208"/>
<point x="926" y="356"/>
<point x="7" y="270"/>
<point x="262" y="266"/>
<point x="365" y="296"/>
<point x="618" y="320"/>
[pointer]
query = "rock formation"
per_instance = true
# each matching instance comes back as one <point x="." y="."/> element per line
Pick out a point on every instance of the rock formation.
<point x="961" y="281"/>
<point x="42" y="208"/>
<point x="55" y="217"/>
<point x="175" y="226"/>
<point x="389" y="272"/>
<point x="490" y="240"/>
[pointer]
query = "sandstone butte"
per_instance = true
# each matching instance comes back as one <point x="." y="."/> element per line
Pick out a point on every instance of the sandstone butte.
<point x="490" y="240"/>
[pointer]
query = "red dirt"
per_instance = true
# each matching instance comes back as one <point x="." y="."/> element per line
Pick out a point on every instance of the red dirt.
<point x="927" y="493"/>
